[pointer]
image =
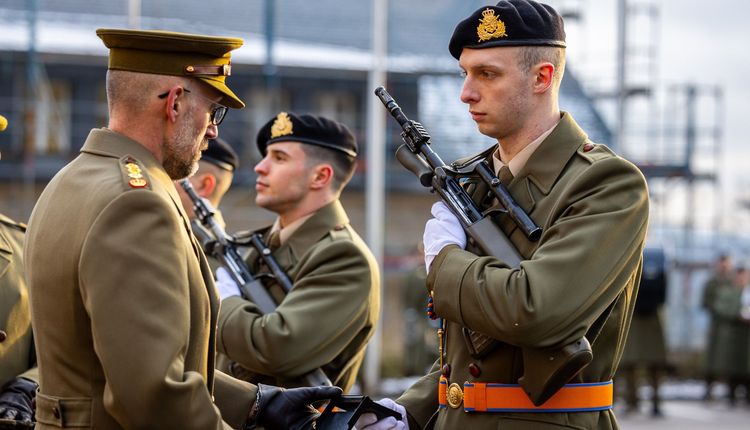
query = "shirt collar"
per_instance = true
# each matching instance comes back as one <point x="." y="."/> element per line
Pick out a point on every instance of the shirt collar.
<point x="286" y="232"/>
<point x="516" y="163"/>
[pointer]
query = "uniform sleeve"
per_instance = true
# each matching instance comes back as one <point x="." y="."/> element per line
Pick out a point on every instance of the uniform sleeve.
<point x="591" y="250"/>
<point x="421" y="399"/>
<point x="325" y="310"/>
<point x="134" y="284"/>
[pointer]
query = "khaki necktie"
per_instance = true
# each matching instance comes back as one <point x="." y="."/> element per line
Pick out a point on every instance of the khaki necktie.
<point x="274" y="240"/>
<point x="505" y="175"/>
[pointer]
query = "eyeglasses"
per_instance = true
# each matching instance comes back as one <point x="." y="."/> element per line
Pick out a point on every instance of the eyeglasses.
<point x="218" y="112"/>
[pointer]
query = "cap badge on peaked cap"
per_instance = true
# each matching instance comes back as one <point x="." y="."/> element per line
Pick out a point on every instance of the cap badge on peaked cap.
<point x="490" y="26"/>
<point x="282" y="126"/>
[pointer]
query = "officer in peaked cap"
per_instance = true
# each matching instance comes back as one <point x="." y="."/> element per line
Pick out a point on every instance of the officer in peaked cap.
<point x="123" y="303"/>
<point x="329" y="314"/>
<point x="18" y="372"/>
<point x="516" y="339"/>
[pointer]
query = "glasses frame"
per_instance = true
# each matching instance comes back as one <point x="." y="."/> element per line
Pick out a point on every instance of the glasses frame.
<point x="218" y="110"/>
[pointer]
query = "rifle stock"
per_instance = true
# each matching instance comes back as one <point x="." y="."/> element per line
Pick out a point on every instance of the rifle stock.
<point x="218" y="244"/>
<point x="545" y="370"/>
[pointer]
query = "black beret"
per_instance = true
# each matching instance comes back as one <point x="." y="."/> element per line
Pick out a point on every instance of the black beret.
<point x="221" y="154"/>
<point x="306" y="128"/>
<point x="509" y="23"/>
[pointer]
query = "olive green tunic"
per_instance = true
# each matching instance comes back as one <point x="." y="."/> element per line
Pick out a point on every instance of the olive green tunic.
<point x="325" y="320"/>
<point x="123" y="303"/>
<point x="16" y="343"/>
<point x="593" y="208"/>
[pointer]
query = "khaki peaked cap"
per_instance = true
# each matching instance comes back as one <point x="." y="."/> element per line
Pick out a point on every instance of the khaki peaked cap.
<point x="206" y="58"/>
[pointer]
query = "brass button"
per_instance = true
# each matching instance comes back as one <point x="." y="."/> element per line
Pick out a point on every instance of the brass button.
<point x="446" y="370"/>
<point x="475" y="370"/>
<point x="3" y="336"/>
<point x="56" y="412"/>
<point x="455" y="396"/>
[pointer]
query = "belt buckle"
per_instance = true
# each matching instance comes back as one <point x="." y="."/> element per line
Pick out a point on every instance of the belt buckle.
<point x="455" y="396"/>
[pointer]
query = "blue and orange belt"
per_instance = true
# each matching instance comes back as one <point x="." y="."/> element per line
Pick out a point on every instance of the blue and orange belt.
<point x="493" y="397"/>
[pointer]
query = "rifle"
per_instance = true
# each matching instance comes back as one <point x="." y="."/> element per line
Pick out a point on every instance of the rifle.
<point x="218" y="244"/>
<point x="545" y="370"/>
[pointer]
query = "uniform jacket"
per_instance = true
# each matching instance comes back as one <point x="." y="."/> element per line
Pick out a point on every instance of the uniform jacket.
<point x="326" y="319"/>
<point x="123" y="304"/>
<point x="593" y="209"/>
<point x="16" y="344"/>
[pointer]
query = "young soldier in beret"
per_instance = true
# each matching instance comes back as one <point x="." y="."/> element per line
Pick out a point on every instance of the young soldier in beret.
<point x="579" y="279"/>
<point x="329" y="315"/>
<point x="18" y="372"/>
<point x="123" y="303"/>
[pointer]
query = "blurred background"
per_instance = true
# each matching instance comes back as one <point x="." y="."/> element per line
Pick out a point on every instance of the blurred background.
<point x="661" y="82"/>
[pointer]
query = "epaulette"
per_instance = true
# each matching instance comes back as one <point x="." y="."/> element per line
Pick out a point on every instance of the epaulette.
<point x="340" y="232"/>
<point x="133" y="174"/>
<point x="10" y="223"/>
<point x="594" y="152"/>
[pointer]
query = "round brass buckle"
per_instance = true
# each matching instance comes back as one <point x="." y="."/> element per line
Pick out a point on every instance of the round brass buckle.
<point x="455" y="396"/>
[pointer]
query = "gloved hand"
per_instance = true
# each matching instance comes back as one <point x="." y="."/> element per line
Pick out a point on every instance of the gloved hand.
<point x="16" y="400"/>
<point x="370" y="422"/>
<point x="291" y="409"/>
<point x="442" y="230"/>
<point x="225" y="285"/>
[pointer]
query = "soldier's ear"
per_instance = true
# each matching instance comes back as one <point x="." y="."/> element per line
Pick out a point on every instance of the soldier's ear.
<point x="206" y="185"/>
<point x="543" y="76"/>
<point x="322" y="175"/>
<point x="174" y="100"/>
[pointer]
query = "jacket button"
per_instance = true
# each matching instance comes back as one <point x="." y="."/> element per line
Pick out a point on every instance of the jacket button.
<point x="588" y="147"/>
<point x="56" y="412"/>
<point x="3" y="336"/>
<point x="446" y="370"/>
<point x="475" y="370"/>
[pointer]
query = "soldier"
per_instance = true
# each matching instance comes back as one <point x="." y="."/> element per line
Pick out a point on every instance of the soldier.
<point x="123" y="303"/>
<point x="579" y="279"/>
<point x="720" y="280"/>
<point x="213" y="178"/>
<point x="330" y="313"/>
<point x="732" y="334"/>
<point x="645" y="347"/>
<point x="18" y="372"/>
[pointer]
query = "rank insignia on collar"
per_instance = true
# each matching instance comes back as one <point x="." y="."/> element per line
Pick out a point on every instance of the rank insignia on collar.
<point x="282" y="126"/>
<point x="490" y="27"/>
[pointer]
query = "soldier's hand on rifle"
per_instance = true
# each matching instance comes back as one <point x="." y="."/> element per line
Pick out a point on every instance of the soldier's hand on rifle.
<point x="225" y="285"/>
<point x="442" y="230"/>
<point x="17" y="400"/>
<point x="280" y="408"/>
<point x="370" y="422"/>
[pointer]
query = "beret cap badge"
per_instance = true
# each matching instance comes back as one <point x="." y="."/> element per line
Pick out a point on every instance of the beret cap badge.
<point x="282" y="126"/>
<point x="490" y="26"/>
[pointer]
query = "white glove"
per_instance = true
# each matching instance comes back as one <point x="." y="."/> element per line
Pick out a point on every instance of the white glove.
<point x="370" y="422"/>
<point x="442" y="230"/>
<point x="225" y="285"/>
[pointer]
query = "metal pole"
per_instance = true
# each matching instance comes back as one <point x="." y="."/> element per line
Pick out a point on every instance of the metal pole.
<point x="622" y="11"/>
<point x="269" y="67"/>
<point x="375" y="184"/>
<point x="134" y="14"/>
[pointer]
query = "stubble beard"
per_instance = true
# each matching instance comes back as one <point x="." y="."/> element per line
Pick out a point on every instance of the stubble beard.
<point x="181" y="155"/>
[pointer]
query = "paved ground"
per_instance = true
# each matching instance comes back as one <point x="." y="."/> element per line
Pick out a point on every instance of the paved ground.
<point x="689" y="415"/>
